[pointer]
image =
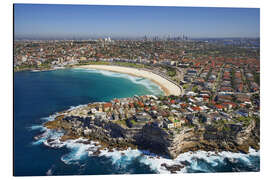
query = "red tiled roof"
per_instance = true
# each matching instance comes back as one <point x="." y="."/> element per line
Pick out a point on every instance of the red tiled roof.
<point x="146" y="108"/>
<point x="107" y="105"/>
<point x="219" y="106"/>
<point x="154" y="108"/>
<point x="197" y="108"/>
<point x="183" y="105"/>
<point x="231" y="103"/>
<point x="140" y="104"/>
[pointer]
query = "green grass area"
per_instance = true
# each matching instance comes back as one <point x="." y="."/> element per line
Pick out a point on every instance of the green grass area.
<point x="25" y="67"/>
<point x="220" y="124"/>
<point x="130" y="64"/>
<point x="42" y="66"/>
<point x="195" y="89"/>
<point x="171" y="72"/>
<point x="190" y="125"/>
<point x="257" y="78"/>
<point x="94" y="63"/>
<point x="28" y="67"/>
<point x="226" y="128"/>
<point x="245" y="120"/>
<point x="45" y="65"/>
<point x="133" y="121"/>
<point x="185" y="86"/>
<point x="127" y="64"/>
<point x="121" y="122"/>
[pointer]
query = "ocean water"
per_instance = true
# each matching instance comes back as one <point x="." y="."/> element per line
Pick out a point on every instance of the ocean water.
<point x="38" y="96"/>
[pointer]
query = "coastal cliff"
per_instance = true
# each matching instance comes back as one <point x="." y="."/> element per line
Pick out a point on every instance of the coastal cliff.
<point x="233" y="139"/>
<point x="159" y="140"/>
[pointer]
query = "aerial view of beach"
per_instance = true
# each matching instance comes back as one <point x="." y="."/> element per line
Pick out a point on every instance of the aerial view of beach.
<point x="106" y="89"/>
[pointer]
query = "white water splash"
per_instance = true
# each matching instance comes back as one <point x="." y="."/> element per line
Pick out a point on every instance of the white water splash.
<point x="81" y="148"/>
<point x="152" y="87"/>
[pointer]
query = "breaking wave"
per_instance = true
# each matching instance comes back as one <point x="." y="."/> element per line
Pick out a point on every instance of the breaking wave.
<point x="199" y="161"/>
<point x="192" y="162"/>
<point x="151" y="86"/>
<point x="37" y="127"/>
<point x="79" y="150"/>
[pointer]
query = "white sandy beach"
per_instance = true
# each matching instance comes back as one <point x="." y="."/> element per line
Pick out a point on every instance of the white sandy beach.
<point x="168" y="87"/>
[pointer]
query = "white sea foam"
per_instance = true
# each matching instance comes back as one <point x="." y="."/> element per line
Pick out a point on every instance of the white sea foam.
<point x="76" y="107"/>
<point x="49" y="138"/>
<point x="41" y="138"/>
<point x="37" y="127"/>
<point x="53" y="139"/>
<point x="152" y="87"/>
<point x="53" y="116"/>
<point x="49" y="172"/>
<point x="121" y="159"/>
<point x="76" y="154"/>
<point x="50" y="118"/>
<point x="40" y="141"/>
<point x="80" y="150"/>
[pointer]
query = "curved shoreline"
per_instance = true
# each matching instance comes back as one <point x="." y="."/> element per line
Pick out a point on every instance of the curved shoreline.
<point x="168" y="87"/>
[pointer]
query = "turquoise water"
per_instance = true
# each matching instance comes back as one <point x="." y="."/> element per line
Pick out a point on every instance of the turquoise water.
<point x="39" y="95"/>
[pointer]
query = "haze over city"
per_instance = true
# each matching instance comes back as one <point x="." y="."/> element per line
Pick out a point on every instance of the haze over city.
<point x="88" y="21"/>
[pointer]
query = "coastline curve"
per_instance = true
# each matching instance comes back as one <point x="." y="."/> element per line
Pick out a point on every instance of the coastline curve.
<point x="167" y="86"/>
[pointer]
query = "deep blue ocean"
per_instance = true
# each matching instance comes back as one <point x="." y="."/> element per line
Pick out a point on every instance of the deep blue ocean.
<point x="39" y="95"/>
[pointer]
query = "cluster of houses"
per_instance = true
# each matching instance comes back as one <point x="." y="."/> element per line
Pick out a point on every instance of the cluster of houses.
<point x="219" y="85"/>
<point x="192" y="109"/>
<point x="135" y="112"/>
<point x="225" y="78"/>
<point x="199" y="67"/>
<point x="171" y="53"/>
<point x="60" y="53"/>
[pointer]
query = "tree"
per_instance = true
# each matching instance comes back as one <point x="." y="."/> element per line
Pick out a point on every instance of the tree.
<point x="248" y="106"/>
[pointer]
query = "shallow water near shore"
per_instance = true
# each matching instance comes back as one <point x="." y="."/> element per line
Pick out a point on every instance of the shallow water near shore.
<point x="39" y="95"/>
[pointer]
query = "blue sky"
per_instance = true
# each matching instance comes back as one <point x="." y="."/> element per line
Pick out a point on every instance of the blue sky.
<point x="88" y="20"/>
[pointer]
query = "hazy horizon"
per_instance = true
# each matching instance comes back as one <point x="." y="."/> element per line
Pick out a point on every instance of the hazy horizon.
<point x="50" y="21"/>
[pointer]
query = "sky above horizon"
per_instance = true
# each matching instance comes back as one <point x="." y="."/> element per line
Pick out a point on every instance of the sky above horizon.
<point x="43" y="20"/>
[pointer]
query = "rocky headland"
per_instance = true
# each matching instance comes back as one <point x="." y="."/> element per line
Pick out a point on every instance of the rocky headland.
<point x="114" y="134"/>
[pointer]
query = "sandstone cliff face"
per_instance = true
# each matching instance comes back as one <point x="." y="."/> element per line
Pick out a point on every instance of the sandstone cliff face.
<point x="230" y="137"/>
<point x="245" y="134"/>
<point x="154" y="139"/>
<point x="233" y="138"/>
<point x="186" y="140"/>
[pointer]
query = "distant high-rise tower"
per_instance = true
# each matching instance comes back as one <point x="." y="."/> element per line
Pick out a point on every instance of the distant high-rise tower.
<point x="145" y="38"/>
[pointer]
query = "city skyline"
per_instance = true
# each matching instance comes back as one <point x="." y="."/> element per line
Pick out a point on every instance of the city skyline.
<point x="68" y="21"/>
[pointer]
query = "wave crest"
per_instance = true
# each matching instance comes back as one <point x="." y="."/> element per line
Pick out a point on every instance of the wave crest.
<point x="199" y="161"/>
<point x="148" y="84"/>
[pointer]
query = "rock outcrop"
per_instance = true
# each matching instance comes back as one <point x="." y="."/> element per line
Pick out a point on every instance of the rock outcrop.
<point x="162" y="141"/>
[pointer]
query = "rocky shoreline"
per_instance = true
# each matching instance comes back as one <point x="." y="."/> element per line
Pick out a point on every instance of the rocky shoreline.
<point x="110" y="135"/>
